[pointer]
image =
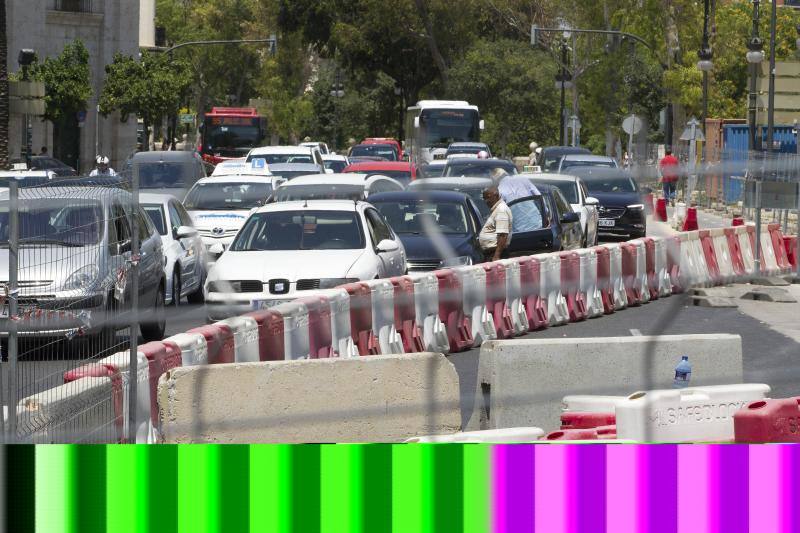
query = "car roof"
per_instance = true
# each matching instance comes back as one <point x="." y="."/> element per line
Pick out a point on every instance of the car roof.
<point x="325" y="179"/>
<point x="378" y="165"/>
<point x="491" y="162"/>
<point x="405" y="196"/>
<point x="467" y="144"/>
<point x="280" y="150"/>
<point x="86" y="193"/>
<point x="589" y="173"/>
<point x="451" y="181"/>
<point x="564" y="150"/>
<point x="587" y="157"/>
<point x="155" y="198"/>
<point x="293" y="166"/>
<point x="165" y="156"/>
<point x="549" y="177"/>
<point x="334" y="157"/>
<point x="239" y="178"/>
<point x="314" y="205"/>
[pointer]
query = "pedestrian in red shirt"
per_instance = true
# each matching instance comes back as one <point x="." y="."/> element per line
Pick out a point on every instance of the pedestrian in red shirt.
<point x="670" y="173"/>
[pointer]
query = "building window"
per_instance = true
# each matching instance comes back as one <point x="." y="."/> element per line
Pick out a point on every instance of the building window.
<point x="77" y="6"/>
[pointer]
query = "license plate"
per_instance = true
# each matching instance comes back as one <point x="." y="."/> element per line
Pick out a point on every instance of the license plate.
<point x="607" y="222"/>
<point x="267" y="304"/>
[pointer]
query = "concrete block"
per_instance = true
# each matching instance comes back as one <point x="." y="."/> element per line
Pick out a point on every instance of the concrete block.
<point x="367" y="399"/>
<point x="770" y="294"/>
<point x="521" y="383"/>
<point x="714" y="301"/>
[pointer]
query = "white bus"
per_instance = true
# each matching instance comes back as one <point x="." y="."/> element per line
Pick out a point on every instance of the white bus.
<point x="432" y="125"/>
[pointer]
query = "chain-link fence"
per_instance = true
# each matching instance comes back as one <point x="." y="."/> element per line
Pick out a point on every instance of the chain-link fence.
<point x="69" y="262"/>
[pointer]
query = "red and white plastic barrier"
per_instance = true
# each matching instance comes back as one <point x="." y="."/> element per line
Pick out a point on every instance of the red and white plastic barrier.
<point x="219" y="342"/>
<point x="473" y="281"/>
<point x="361" y="318"/>
<point x="534" y="299"/>
<point x="405" y="317"/>
<point x="383" y="317"/>
<point x="451" y="311"/>
<point x="768" y="421"/>
<point x="426" y="303"/>
<point x="514" y="297"/>
<point x="557" y="309"/>
<point x="496" y="301"/>
<point x="245" y="338"/>
<point x="589" y="285"/>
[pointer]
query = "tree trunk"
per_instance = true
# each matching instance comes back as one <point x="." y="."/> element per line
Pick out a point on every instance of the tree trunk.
<point x="433" y="46"/>
<point x="4" y="104"/>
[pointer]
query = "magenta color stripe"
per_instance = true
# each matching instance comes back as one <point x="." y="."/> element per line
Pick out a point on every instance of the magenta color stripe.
<point x="765" y="489"/>
<point x="513" y="479"/>
<point x="729" y="473"/>
<point x="622" y="506"/>
<point x="693" y="488"/>
<point x="659" y="480"/>
<point x="553" y="476"/>
<point x="790" y="487"/>
<point x="587" y="505"/>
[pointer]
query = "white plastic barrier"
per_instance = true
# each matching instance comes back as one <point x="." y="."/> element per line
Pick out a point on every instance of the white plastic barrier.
<point x="296" y="343"/>
<point x="662" y="267"/>
<point x="426" y="302"/>
<point x="557" y="310"/>
<point x="617" y="281"/>
<point x="591" y="404"/>
<point x="514" y="297"/>
<point x="695" y="249"/>
<point x="748" y="255"/>
<point x="697" y="414"/>
<point x="383" y="317"/>
<point x="245" y="338"/>
<point x="473" y="283"/>
<point x="194" y="350"/>
<point x="492" y="436"/>
<point x="723" y="253"/>
<point x="640" y="282"/>
<point x="145" y="432"/>
<point x="691" y="271"/>
<point x="588" y="285"/>
<point x="341" y="335"/>
<point x="768" y="253"/>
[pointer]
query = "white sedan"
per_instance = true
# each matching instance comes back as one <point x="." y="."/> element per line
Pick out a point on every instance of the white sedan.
<point x="576" y="193"/>
<point x="185" y="266"/>
<point x="286" y="249"/>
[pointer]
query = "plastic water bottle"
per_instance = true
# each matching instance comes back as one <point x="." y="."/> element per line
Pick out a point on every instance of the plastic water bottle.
<point x="683" y="373"/>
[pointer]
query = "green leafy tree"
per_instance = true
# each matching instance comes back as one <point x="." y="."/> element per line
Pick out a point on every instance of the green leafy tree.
<point x="4" y="105"/>
<point x="150" y="89"/>
<point x="68" y="87"/>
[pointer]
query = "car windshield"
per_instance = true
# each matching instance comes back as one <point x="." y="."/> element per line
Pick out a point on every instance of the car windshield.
<point x="161" y="175"/>
<point x="335" y="165"/>
<point x="611" y="184"/>
<point x="273" y="159"/>
<point x="430" y="171"/>
<point x="319" y="192"/>
<point x="57" y="221"/>
<point x="385" y="151"/>
<point x="291" y="174"/>
<point x="212" y="196"/>
<point x="476" y="170"/>
<point x="300" y="230"/>
<point x="156" y="214"/>
<point x="568" y="188"/>
<point x="551" y="158"/>
<point x="414" y="217"/>
<point x="568" y="163"/>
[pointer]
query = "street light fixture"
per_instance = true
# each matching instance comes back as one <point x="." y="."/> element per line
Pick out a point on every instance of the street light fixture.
<point x="705" y="64"/>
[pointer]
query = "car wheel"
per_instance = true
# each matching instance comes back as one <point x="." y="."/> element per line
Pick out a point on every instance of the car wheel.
<point x="176" y="288"/>
<point x="154" y="329"/>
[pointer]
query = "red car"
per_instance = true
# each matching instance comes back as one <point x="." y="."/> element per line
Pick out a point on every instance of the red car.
<point x="402" y="171"/>
<point x="386" y="140"/>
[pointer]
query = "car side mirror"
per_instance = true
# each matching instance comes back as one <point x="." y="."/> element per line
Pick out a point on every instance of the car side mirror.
<point x="569" y="218"/>
<point x="183" y="232"/>
<point x="481" y="125"/>
<point x="591" y="201"/>
<point x="387" y="245"/>
<point x="216" y="248"/>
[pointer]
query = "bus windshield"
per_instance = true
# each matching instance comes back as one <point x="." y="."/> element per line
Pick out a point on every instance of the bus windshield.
<point x="442" y="127"/>
<point x="231" y="136"/>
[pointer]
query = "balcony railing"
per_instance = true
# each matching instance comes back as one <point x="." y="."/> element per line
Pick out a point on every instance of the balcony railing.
<point x="76" y="6"/>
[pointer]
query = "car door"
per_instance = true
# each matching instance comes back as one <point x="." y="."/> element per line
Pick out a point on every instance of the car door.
<point x="572" y="233"/>
<point x="184" y="252"/>
<point x="120" y="251"/>
<point x="194" y="245"/>
<point x="592" y="218"/>
<point x="151" y="262"/>
<point x="391" y="263"/>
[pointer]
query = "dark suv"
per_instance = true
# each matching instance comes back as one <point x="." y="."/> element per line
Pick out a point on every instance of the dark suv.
<point x="621" y="209"/>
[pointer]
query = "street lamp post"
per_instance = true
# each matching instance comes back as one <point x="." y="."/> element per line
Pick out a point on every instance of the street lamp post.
<point x="704" y="64"/>
<point x="563" y="82"/>
<point x="755" y="56"/>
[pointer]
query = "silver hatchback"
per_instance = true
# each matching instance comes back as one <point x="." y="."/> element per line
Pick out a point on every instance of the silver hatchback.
<point x="74" y="262"/>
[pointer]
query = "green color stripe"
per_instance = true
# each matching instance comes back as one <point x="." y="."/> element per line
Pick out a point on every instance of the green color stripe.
<point x="305" y="488"/>
<point x="270" y="488"/>
<point x="340" y="488"/>
<point x="407" y="461"/>
<point x="162" y="488"/>
<point x="20" y="489"/>
<point x="213" y="467"/>
<point x="476" y="488"/>
<point x="89" y="484"/>
<point x="51" y="489"/>
<point x="448" y="482"/>
<point x="427" y="489"/>
<point x="234" y="489"/>
<point x="195" y="494"/>
<point x="376" y="478"/>
<point x="126" y="489"/>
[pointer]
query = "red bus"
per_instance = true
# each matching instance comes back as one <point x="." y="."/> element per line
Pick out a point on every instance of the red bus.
<point x="231" y="132"/>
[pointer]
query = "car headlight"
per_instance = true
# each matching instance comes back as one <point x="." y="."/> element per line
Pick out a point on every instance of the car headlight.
<point x="636" y="207"/>
<point x="82" y="278"/>
<point x="225" y="286"/>
<point x="463" y="260"/>
<point x="332" y="283"/>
